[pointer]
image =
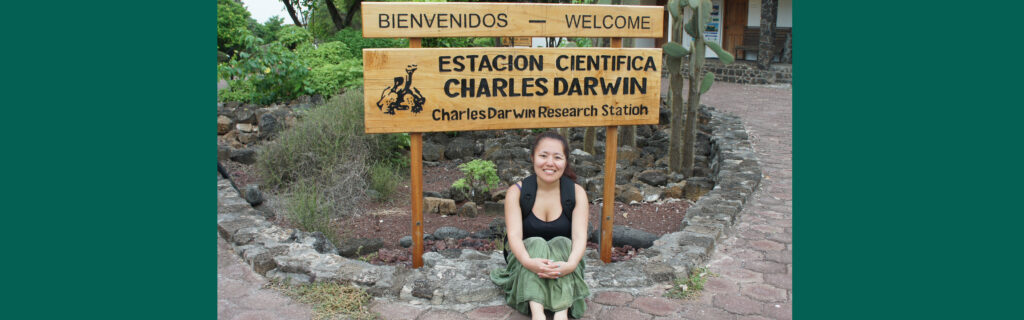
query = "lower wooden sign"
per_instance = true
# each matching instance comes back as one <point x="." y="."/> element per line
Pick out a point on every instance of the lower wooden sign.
<point x="458" y="89"/>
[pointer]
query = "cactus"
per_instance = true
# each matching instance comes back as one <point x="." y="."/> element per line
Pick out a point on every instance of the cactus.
<point x="682" y="161"/>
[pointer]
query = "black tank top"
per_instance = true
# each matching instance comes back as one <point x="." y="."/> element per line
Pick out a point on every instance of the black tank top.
<point x="561" y="226"/>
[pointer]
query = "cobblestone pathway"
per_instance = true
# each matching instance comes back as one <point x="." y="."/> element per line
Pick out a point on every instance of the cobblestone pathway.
<point x="754" y="264"/>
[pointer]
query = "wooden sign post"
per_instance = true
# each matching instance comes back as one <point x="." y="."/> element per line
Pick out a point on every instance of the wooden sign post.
<point x="420" y="90"/>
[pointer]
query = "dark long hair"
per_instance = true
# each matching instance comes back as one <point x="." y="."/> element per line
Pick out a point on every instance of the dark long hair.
<point x="565" y="150"/>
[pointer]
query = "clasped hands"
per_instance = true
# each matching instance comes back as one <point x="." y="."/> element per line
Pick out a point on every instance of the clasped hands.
<point x="547" y="269"/>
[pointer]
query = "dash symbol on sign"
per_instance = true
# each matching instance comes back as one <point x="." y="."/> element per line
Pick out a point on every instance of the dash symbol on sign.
<point x="538" y="21"/>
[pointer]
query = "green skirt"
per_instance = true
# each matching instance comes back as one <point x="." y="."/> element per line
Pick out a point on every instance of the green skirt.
<point x="522" y="286"/>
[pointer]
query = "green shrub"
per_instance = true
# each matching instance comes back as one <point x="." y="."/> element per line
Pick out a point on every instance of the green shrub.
<point x="264" y="73"/>
<point x="384" y="178"/>
<point x="333" y="52"/>
<point x="447" y="42"/>
<point x="268" y="30"/>
<point x="582" y="42"/>
<point x="292" y="36"/>
<point x="458" y="42"/>
<point x="356" y="43"/>
<point x="391" y="147"/>
<point x="479" y="175"/>
<point x="328" y="79"/>
<point x="332" y="67"/>
<point x="483" y="42"/>
<point x="239" y="91"/>
<point x="232" y="20"/>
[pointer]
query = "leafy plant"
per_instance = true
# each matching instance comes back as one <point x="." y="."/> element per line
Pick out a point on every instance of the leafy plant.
<point x="479" y="175"/>
<point x="458" y="42"/>
<point x="231" y="25"/>
<point x="367" y="258"/>
<point x="483" y="42"/>
<point x="333" y="52"/>
<point x="329" y="79"/>
<point x="264" y="73"/>
<point x="583" y="42"/>
<point x="356" y="43"/>
<point x="268" y="30"/>
<point x="292" y="36"/>
<point x="685" y="288"/>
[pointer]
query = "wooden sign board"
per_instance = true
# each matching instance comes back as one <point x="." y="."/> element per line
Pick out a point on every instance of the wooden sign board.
<point x="523" y="42"/>
<point x="433" y="19"/>
<point x="458" y="89"/>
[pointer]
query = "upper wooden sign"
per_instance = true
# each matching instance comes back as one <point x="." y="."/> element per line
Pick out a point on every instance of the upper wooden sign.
<point x="457" y="89"/>
<point x="435" y="19"/>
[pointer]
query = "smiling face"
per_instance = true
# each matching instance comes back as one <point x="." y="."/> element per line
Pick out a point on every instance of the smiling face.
<point x="549" y="160"/>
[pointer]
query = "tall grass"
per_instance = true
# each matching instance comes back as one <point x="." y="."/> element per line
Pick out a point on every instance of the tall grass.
<point x="308" y="210"/>
<point x="384" y="178"/>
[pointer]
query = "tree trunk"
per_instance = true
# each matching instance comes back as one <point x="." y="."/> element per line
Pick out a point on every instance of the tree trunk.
<point x="769" y="11"/>
<point x="588" y="140"/>
<point x="696" y="77"/>
<point x="335" y="16"/>
<point x="565" y="133"/>
<point x="351" y="13"/>
<point x="291" y="12"/>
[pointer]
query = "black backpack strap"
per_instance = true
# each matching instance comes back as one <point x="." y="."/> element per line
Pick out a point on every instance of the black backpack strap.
<point x="568" y="193"/>
<point x="527" y="196"/>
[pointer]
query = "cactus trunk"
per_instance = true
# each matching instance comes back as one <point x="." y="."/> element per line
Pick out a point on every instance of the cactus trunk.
<point x="693" y="100"/>
<point x="627" y="136"/>
<point x="675" y="153"/>
<point x="588" y="140"/>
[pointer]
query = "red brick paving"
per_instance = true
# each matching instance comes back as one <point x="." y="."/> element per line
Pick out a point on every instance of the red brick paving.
<point x="397" y="311"/>
<point x="764" y="292"/>
<point x="613" y="298"/>
<point x="656" y="305"/>
<point x="623" y="313"/>
<point x="492" y="312"/>
<point x="738" y="304"/>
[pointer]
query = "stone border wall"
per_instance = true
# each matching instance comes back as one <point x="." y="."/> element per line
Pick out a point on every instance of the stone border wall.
<point x="459" y="278"/>
<point x="745" y="72"/>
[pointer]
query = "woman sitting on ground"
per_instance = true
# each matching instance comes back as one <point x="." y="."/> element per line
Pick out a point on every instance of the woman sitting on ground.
<point x="546" y="224"/>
